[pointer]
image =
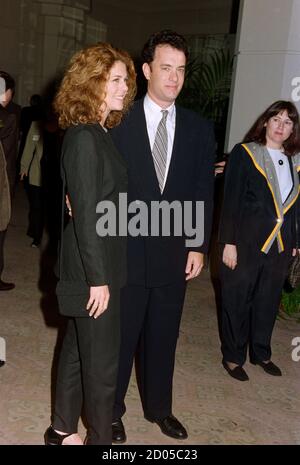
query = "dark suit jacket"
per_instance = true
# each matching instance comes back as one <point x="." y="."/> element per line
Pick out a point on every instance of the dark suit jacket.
<point x="93" y="171"/>
<point x="8" y="136"/>
<point x="15" y="109"/>
<point x="248" y="212"/>
<point x="157" y="261"/>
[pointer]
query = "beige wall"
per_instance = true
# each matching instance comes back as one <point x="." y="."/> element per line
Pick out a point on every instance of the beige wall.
<point x="38" y="37"/>
<point x="267" y="62"/>
<point x="9" y="36"/>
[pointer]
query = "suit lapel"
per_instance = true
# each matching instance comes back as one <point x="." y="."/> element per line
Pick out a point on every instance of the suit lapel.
<point x="176" y="158"/>
<point x="142" y="161"/>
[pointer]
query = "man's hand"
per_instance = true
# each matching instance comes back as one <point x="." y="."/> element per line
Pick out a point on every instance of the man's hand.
<point x="230" y="256"/>
<point x="22" y="176"/>
<point x="98" y="301"/>
<point x="295" y="252"/>
<point x="219" y="167"/>
<point x="194" y="265"/>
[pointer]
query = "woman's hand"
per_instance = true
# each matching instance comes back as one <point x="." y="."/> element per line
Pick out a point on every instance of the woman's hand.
<point x="98" y="301"/>
<point x="22" y="176"/>
<point x="295" y="252"/>
<point x="68" y="203"/>
<point x="230" y="256"/>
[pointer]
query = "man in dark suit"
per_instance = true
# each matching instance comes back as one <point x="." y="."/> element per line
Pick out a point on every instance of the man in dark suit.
<point x="169" y="152"/>
<point x="8" y="138"/>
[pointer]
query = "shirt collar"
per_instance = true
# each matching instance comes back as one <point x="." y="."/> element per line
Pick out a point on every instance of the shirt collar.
<point x="153" y="108"/>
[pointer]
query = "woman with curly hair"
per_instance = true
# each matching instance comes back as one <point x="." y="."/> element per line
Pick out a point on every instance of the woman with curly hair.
<point x="96" y="91"/>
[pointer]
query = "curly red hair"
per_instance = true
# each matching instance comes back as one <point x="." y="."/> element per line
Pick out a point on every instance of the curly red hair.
<point x="82" y="90"/>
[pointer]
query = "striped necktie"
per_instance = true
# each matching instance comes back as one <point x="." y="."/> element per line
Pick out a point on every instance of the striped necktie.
<point x="160" y="149"/>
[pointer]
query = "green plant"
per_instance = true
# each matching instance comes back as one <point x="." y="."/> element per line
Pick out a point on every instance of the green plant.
<point x="207" y="85"/>
<point x="290" y="302"/>
<point x="206" y="91"/>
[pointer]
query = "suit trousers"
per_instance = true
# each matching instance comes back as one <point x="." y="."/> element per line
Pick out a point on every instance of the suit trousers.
<point x="87" y="374"/>
<point x="251" y="296"/>
<point x="150" y="319"/>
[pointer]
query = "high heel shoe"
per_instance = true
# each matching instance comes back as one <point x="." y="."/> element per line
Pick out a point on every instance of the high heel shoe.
<point x="52" y="438"/>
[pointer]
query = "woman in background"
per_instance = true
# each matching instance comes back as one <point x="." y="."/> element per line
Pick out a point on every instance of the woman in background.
<point x="258" y="234"/>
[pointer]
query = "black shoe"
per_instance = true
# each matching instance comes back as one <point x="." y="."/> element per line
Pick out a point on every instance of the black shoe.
<point x="30" y="233"/>
<point x="237" y="373"/>
<point x="118" y="431"/>
<point x="35" y="244"/>
<point x="171" y="427"/>
<point x="52" y="438"/>
<point x="2" y="362"/>
<point x="269" y="368"/>
<point x="6" y="286"/>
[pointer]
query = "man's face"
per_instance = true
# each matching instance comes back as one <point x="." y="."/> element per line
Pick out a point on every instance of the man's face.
<point x="116" y="87"/>
<point x="6" y="97"/>
<point x="165" y="75"/>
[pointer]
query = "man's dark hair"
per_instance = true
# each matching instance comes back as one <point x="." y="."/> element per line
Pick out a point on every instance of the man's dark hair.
<point x="165" y="37"/>
<point x="9" y="81"/>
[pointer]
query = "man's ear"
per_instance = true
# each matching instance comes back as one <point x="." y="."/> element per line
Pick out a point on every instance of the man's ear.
<point x="146" y="70"/>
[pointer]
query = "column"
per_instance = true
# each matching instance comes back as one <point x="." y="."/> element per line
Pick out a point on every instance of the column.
<point x="266" y="63"/>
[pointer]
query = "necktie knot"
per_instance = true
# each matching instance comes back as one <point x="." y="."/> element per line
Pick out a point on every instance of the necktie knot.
<point x="164" y="115"/>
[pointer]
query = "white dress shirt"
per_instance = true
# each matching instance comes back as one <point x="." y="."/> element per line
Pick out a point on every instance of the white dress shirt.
<point x="153" y="116"/>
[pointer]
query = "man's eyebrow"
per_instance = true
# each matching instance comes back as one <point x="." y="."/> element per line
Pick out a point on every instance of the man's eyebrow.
<point x="168" y="64"/>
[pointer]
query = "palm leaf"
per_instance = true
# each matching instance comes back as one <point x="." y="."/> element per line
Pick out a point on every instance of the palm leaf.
<point x="207" y="84"/>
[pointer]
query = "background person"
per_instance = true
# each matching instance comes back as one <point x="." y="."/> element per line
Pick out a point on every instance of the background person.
<point x="8" y="142"/>
<point x="31" y="168"/>
<point x="11" y="107"/>
<point x="39" y="168"/>
<point x="257" y="231"/>
<point x="34" y="112"/>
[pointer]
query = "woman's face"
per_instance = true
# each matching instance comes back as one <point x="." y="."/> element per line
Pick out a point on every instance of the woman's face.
<point x="278" y="129"/>
<point x="116" y="88"/>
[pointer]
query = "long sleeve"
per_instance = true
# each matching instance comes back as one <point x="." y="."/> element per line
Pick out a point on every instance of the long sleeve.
<point x="205" y="187"/>
<point x="8" y="136"/>
<point x="83" y="169"/>
<point x="234" y="193"/>
<point x="33" y="140"/>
